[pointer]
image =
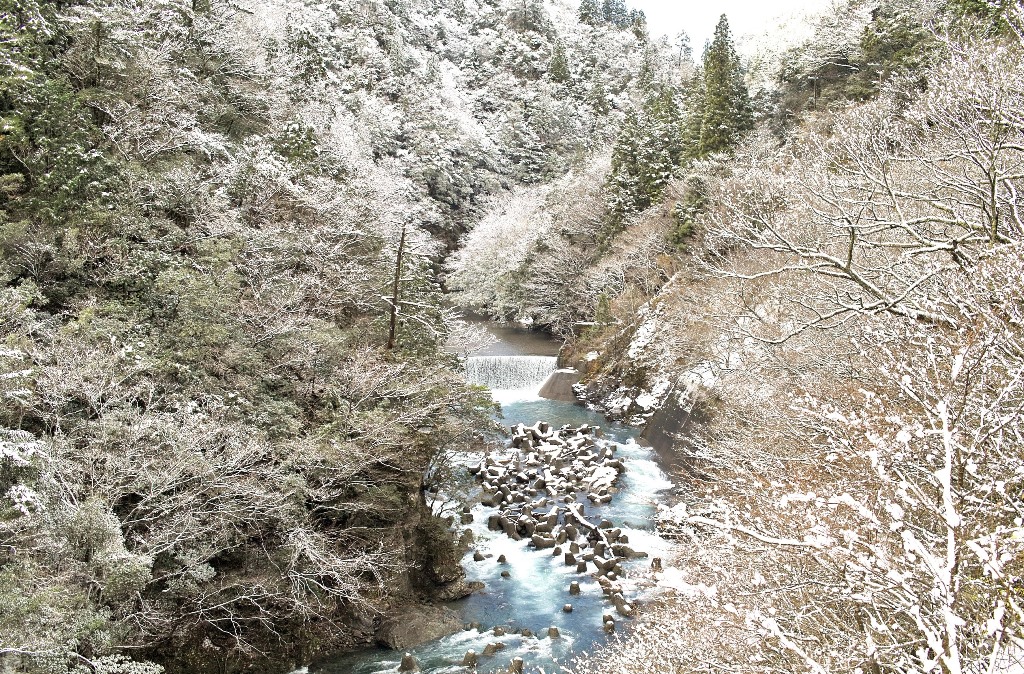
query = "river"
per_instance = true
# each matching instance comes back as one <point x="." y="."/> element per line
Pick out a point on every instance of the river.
<point x="536" y="589"/>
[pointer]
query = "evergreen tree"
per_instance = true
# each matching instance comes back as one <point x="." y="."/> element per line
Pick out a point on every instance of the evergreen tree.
<point x="646" y="155"/>
<point x="994" y="13"/>
<point x="726" y="109"/>
<point x="590" y="13"/>
<point x="638" y="22"/>
<point x="597" y="97"/>
<point x="530" y="16"/>
<point x="648" y="66"/>
<point x="615" y="13"/>
<point x="693" y="114"/>
<point x="558" y="67"/>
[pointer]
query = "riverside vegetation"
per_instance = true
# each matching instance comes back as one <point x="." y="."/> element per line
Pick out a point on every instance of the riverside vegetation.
<point x="222" y="386"/>
<point x="828" y="302"/>
<point x="225" y="229"/>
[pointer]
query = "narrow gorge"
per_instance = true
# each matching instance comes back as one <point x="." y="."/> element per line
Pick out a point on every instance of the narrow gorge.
<point x="263" y="408"/>
<point x="558" y="524"/>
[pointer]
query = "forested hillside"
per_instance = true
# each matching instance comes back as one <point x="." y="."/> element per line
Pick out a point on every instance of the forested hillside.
<point x="231" y="234"/>
<point x="220" y="323"/>
<point x="580" y="241"/>
<point x="831" y="302"/>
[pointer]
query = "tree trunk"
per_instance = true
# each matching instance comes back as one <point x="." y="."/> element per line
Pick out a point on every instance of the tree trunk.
<point x="394" y="291"/>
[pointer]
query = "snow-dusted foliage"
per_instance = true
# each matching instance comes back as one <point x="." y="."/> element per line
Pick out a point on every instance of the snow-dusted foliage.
<point x="484" y="267"/>
<point x="856" y="461"/>
<point x="221" y="381"/>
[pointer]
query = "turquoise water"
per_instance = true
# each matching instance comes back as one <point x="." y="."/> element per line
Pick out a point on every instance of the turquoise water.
<point x="533" y="595"/>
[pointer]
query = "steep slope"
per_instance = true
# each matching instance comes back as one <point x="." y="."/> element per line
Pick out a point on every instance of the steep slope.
<point x="842" y="344"/>
<point x="209" y="459"/>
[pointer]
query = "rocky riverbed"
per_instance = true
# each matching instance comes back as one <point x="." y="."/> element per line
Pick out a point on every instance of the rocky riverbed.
<point x="536" y="488"/>
<point x="558" y="523"/>
<point x="540" y="490"/>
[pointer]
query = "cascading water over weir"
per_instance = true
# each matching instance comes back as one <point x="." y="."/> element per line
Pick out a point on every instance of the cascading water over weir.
<point x="506" y="373"/>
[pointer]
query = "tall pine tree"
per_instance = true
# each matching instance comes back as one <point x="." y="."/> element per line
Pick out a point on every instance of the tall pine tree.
<point x="725" y="105"/>
<point x="616" y="13"/>
<point x="558" y="66"/>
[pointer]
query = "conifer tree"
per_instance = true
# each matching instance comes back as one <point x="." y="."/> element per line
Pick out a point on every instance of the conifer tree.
<point x="726" y="110"/>
<point x="693" y="114"/>
<point x="598" y="96"/>
<point x="558" y="67"/>
<point x="590" y="13"/>
<point x="638" y="22"/>
<point x="616" y="13"/>
<point x="646" y="155"/>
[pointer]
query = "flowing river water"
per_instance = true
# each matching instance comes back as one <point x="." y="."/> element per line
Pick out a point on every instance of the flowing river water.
<point x="533" y="594"/>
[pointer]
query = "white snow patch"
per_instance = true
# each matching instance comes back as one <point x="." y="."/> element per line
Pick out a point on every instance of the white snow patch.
<point x="619" y="404"/>
<point x="643" y="336"/>
<point x="673" y="579"/>
<point x="652" y="399"/>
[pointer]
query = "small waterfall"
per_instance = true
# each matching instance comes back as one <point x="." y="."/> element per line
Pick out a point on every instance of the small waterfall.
<point x="510" y="372"/>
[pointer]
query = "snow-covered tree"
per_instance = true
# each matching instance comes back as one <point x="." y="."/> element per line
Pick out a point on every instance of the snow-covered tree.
<point x="725" y="110"/>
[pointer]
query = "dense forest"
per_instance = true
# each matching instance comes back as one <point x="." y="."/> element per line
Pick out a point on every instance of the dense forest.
<point x="213" y="455"/>
<point x="231" y="234"/>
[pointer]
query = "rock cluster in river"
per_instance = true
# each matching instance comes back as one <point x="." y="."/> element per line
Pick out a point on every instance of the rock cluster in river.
<point x="535" y="490"/>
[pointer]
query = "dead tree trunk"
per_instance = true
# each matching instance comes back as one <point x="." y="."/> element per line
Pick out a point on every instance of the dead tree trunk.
<point x="396" y="286"/>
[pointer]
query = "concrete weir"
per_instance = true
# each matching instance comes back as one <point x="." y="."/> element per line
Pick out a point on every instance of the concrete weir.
<point x="510" y="372"/>
<point x="559" y="386"/>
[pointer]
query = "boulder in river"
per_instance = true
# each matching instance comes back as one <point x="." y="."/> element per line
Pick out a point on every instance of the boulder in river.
<point x="622" y="550"/>
<point x="457" y="590"/>
<point x="409" y="664"/>
<point x="621" y="605"/>
<point x="542" y="542"/>
<point x="492" y="648"/>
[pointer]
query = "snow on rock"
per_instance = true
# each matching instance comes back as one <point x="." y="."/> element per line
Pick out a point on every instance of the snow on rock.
<point x="652" y="399"/>
<point x="618" y="403"/>
<point x="602" y="478"/>
<point x="644" y="335"/>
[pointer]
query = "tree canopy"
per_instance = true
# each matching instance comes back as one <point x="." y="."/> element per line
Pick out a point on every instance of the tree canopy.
<point x="725" y="109"/>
